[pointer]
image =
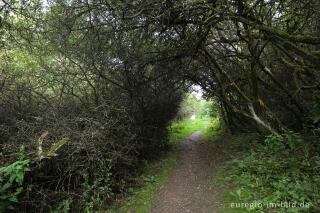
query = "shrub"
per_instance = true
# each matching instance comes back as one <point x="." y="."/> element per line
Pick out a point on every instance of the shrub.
<point x="11" y="181"/>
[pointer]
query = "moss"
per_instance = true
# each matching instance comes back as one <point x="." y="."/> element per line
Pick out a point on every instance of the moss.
<point x="316" y="52"/>
<point x="296" y="38"/>
<point x="302" y="52"/>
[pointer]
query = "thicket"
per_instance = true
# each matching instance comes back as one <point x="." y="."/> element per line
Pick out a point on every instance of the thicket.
<point x="62" y="76"/>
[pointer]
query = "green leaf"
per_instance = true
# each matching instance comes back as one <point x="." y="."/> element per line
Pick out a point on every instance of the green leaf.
<point x="316" y="120"/>
<point x="4" y="197"/>
<point x="238" y="192"/>
<point x="4" y="187"/>
<point x="12" y="178"/>
<point x="56" y="146"/>
<point x="10" y="207"/>
<point x="13" y="199"/>
<point x="18" y="190"/>
<point x="19" y="178"/>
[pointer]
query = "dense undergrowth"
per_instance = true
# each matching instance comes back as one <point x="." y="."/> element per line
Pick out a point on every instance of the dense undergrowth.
<point x="155" y="174"/>
<point x="106" y="148"/>
<point x="267" y="174"/>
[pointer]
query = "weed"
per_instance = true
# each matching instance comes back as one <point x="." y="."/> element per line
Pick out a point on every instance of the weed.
<point x="96" y="194"/>
<point x="148" y="178"/>
<point x="11" y="180"/>
<point x="63" y="207"/>
<point x="279" y="173"/>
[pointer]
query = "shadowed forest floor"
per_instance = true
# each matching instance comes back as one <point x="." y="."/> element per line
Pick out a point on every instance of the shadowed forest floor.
<point x="187" y="189"/>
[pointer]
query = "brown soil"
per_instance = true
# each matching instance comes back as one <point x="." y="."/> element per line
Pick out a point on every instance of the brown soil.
<point x="187" y="189"/>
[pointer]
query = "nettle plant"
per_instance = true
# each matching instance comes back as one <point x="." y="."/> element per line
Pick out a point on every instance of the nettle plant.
<point x="274" y="143"/>
<point x="287" y="141"/>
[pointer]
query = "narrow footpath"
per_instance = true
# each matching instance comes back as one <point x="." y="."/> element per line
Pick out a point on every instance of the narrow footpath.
<point x="187" y="189"/>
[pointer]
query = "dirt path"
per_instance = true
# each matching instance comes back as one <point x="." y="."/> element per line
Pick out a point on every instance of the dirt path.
<point x="187" y="189"/>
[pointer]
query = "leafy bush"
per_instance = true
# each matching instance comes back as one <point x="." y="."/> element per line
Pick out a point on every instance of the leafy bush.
<point x="280" y="170"/>
<point x="63" y="207"/>
<point x="11" y="182"/>
<point x="95" y="195"/>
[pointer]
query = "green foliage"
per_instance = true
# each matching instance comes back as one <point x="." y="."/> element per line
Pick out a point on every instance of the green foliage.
<point x="97" y="194"/>
<point x="56" y="146"/>
<point x="274" y="143"/>
<point x="182" y="129"/>
<point x="148" y="178"/>
<point x="272" y="173"/>
<point x="213" y="130"/>
<point x="53" y="148"/>
<point x="191" y="105"/>
<point x="63" y="207"/>
<point x="11" y="181"/>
